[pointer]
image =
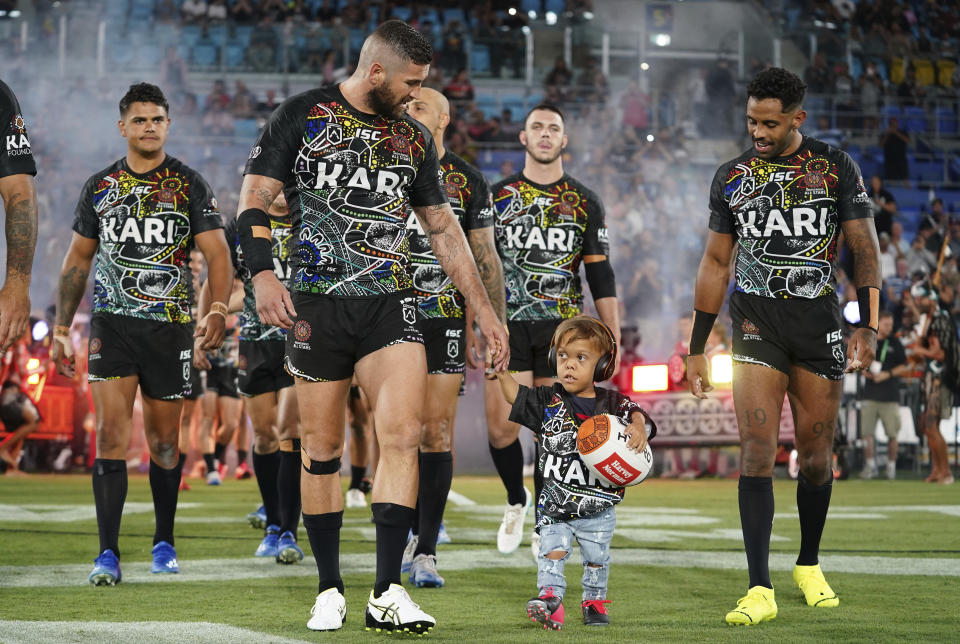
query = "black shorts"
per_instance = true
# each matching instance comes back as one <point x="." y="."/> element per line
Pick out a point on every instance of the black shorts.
<point x="781" y="333"/>
<point x="331" y="334"/>
<point x="159" y="353"/>
<point x="196" y="384"/>
<point x="222" y="380"/>
<point x="529" y="346"/>
<point x="261" y="367"/>
<point x="445" y="340"/>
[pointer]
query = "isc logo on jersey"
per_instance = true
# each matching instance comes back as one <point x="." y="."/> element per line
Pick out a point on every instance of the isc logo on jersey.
<point x="332" y="175"/>
<point x="551" y="239"/>
<point x="149" y="230"/>
<point x="795" y="222"/>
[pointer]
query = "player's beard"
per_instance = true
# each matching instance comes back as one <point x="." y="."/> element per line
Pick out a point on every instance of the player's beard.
<point x="539" y="157"/>
<point x="383" y="103"/>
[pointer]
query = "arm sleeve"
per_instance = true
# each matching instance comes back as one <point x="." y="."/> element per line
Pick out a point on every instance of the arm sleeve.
<point x="276" y="148"/>
<point x="480" y="211"/>
<point x="204" y="211"/>
<point x="721" y="217"/>
<point x="528" y="408"/>
<point x="85" y="220"/>
<point x="426" y="189"/>
<point x="16" y="156"/>
<point x="596" y="237"/>
<point x="852" y="199"/>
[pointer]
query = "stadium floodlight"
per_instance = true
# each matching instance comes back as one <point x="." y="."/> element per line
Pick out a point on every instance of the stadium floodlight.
<point x="851" y="312"/>
<point x="650" y="377"/>
<point x="551" y="18"/>
<point x="512" y="11"/>
<point x="532" y="14"/>
<point x="661" y="40"/>
<point x="644" y="66"/>
<point x="39" y="330"/>
<point x="721" y="369"/>
<point x="588" y="15"/>
<point x="650" y="138"/>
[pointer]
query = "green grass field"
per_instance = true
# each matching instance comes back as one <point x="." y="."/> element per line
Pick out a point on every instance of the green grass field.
<point x="891" y="551"/>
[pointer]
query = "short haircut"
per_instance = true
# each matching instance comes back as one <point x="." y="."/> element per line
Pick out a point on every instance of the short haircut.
<point x="778" y="83"/>
<point x="143" y="93"/>
<point x="405" y="41"/>
<point x="584" y="327"/>
<point x="544" y="106"/>
<point x="884" y="314"/>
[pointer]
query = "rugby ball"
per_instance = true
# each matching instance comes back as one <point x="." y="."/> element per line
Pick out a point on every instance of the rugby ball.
<point x="602" y="443"/>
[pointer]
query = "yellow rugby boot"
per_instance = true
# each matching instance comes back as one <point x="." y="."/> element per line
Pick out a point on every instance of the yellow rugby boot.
<point x="815" y="588"/>
<point x="757" y="606"/>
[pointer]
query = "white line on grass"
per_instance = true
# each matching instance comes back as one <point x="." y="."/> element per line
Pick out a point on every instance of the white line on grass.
<point x="464" y="559"/>
<point x="22" y="632"/>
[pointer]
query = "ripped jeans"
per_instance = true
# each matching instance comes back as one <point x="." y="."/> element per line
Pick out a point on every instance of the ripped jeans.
<point x="593" y="533"/>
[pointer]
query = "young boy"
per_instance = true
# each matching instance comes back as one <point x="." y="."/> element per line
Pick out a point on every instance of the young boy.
<point x="573" y="502"/>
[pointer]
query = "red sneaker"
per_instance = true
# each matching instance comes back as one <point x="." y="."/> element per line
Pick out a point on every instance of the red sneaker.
<point x="243" y="472"/>
<point x="547" y="609"/>
<point x="594" y="612"/>
<point x="184" y="486"/>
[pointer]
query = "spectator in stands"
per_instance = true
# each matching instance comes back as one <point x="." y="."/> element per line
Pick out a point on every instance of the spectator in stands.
<point x="871" y="94"/>
<point x="721" y="91"/>
<point x="242" y="105"/>
<point x="881" y="397"/>
<point x="173" y="71"/>
<point x="898" y="43"/>
<point x="909" y="92"/>
<point x="265" y="107"/>
<point x="276" y="9"/>
<point x="218" y="121"/>
<point x="844" y="101"/>
<point x="506" y="169"/>
<point x="327" y="12"/>
<point x="819" y="76"/>
<point x="894" y="287"/>
<point x="954" y="232"/>
<point x="508" y="125"/>
<point x="830" y="135"/>
<point x="194" y="11"/>
<point x="459" y="90"/>
<point x="883" y="204"/>
<point x="356" y="15"/>
<point x="559" y="77"/>
<point x="166" y="12"/>
<point x="635" y="104"/>
<point x="897" y="242"/>
<point x="894" y="142"/>
<point x="934" y="225"/>
<point x="919" y="259"/>
<point x="301" y="11"/>
<point x="262" y="53"/>
<point x="888" y="257"/>
<point x="217" y="97"/>
<point x="217" y="11"/>
<point x="454" y="50"/>
<point x="244" y="12"/>
<point x="478" y="127"/>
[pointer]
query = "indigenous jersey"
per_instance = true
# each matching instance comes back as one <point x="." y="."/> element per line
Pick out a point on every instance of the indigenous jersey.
<point x="469" y="197"/>
<point x="146" y="224"/>
<point x="229" y="352"/>
<point x="944" y="329"/>
<point x="786" y="214"/>
<point x="349" y="178"/>
<point x="15" y="154"/>
<point x="570" y="489"/>
<point x="543" y="232"/>
<point x="251" y="328"/>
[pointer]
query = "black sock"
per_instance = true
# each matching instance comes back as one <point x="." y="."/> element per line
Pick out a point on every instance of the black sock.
<point x="288" y="489"/>
<point x="813" y="501"/>
<point x="267" y="467"/>
<point x="109" y="495"/>
<point x="393" y="522"/>
<point x="415" y="519"/>
<point x="436" y="474"/>
<point x="356" y="476"/>
<point x="211" y="465"/>
<point x="165" y="486"/>
<point x="509" y="463"/>
<point x="756" y="520"/>
<point x="323" y="530"/>
<point x="219" y="451"/>
<point x="241" y="457"/>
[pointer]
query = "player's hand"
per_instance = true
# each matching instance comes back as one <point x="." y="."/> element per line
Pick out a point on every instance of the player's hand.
<point x="200" y="359"/>
<point x="475" y="349"/>
<point x="210" y="331"/>
<point x="636" y="433"/>
<point x="273" y="300"/>
<point x="861" y="350"/>
<point x="489" y="372"/>
<point x="14" y="312"/>
<point x="495" y="336"/>
<point x="698" y="375"/>
<point x="63" y="355"/>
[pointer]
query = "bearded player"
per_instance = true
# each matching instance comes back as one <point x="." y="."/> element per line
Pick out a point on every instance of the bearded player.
<point x="351" y="163"/>
<point x="546" y="224"/>
<point x="441" y="311"/>
<point x="782" y="205"/>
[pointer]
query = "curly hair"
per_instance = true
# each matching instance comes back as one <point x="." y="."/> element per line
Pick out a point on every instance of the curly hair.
<point x="778" y="83"/>
<point x="405" y="41"/>
<point x="143" y="93"/>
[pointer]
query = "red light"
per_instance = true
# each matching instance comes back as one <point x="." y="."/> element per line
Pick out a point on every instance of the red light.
<point x="34" y="379"/>
<point x="650" y="377"/>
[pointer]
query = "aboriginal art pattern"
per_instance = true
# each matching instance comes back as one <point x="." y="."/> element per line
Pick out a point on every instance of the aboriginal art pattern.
<point x="281" y="235"/>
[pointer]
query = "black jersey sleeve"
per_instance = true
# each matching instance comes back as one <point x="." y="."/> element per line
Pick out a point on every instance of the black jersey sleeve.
<point x="852" y="199"/>
<point x="426" y="189"/>
<point x="528" y="407"/>
<point x="204" y="211"/>
<point x="596" y="237"/>
<point x="16" y="156"/>
<point x="230" y="232"/>
<point x="721" y="217"/>
<point x="480" y="210"/>
<point x="85" y="220"/>
<point x="276" y="148"/>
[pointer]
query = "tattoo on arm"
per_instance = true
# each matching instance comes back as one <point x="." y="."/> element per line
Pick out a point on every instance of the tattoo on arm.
<point x="73" y="283"/>
<point x="861" y="238"/>
<point x="21" y="232"/>
<point x="490" y="267"/>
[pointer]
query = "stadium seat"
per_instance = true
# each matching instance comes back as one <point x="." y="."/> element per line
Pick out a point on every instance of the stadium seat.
<point x="241" y="33"/>
<point x="926" y="75"/>
<point x="946" y="121"/>
<point x="892" y="111"/>
<point x="217" y="34"/>
<point x="897" y="70"/>
<point x="245" y="129"/>
<point x="927" y="172"/>
<point x="401" y="13"/>
<point x="165" y="34"/>
<point x="449" y="15"/>
<point x="149" y="54"/>
<point x="856" y="68"/>
<point x="909" y="198"/>
<point x="120" y="52"/>
<point x="945" y="72"/>
<point x="914" y="119"/>
<point x="357" y="36"/>
<point x="234" y="54"/>
<point x="479" y="59"/>
<point x="556" y="6"/>
<point x="527" y="6"/>
<point x="205" y="54"/>
<point x="190" y="35"/>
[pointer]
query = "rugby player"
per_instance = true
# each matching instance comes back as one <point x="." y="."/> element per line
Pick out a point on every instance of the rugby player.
<point x="546" y="224"/>
<point x="442" y="317"/>
<point x="140" y="216"/>
<point x="351" y="163"/>
<point x="782" y="205"/>
<point x="17" y="169"/>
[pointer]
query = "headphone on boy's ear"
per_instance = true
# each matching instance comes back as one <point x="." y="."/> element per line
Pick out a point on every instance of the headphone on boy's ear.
<point x="604" y="368"/>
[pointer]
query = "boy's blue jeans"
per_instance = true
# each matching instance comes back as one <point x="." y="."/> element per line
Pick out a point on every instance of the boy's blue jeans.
<point x="593" y="533"/>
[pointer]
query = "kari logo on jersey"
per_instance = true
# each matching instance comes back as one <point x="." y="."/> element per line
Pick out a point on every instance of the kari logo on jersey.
<point x="149" y="230"/>
<point x="570" y="471"/>
<point x="17" y="143"/>
<point x="550" y="239"/>
<point x="795" y="222"/>
<point x="335" y="175"/>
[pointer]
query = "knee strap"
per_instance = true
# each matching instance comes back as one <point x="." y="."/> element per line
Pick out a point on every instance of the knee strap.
<point x="319" y="467"/>
<point x="290" y="445"/>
